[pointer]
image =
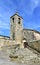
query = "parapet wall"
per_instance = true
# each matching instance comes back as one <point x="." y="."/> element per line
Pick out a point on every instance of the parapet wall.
<point x="5" y="41"/>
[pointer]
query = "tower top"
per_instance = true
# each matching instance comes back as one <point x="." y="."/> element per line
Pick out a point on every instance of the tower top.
<point x="16" y="14"/>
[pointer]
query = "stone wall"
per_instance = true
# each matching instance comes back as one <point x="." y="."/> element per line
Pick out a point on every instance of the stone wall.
<point x="5" y="41"/>
<point x="35" y="45"/>
<point x="37" y="36"/>
<point x="31" y="35"/>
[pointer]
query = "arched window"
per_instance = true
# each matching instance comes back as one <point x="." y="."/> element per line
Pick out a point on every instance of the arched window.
<point x="13" y="20"/>
<point x="19" y="20"/>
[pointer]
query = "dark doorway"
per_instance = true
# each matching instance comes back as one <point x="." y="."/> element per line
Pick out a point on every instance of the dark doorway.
<point x="25" y="44"/>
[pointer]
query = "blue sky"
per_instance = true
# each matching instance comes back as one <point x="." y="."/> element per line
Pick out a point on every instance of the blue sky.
<point x="28" y="9"/>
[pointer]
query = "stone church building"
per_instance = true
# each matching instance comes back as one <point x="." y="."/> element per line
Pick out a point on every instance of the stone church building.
<point x="19" y="35"/>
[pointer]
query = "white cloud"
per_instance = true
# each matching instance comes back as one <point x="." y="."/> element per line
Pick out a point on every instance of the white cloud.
<point x="34" y="4"/>
<point x="31" y="6"/>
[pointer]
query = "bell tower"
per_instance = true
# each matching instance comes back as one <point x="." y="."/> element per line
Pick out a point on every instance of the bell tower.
<point x="16" y="28"/>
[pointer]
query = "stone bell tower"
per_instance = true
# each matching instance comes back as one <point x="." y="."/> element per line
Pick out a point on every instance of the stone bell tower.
<point x="16" y="28"/>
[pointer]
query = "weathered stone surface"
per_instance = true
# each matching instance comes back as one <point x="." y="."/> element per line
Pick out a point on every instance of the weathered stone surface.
<point x="35" y="45"/>
<point x="31" y="35"/>
<point x="16" y="55"/>
<point x="24" y="56"/>
<point x="16" y="28"/>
